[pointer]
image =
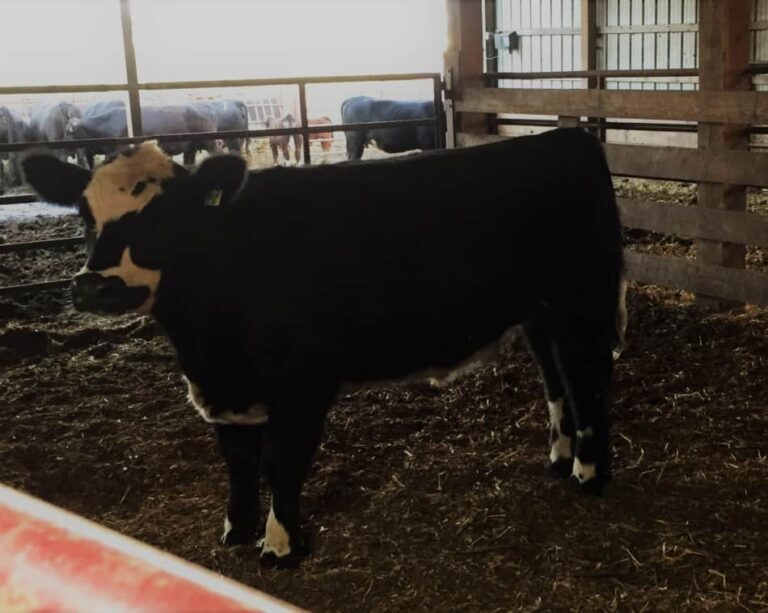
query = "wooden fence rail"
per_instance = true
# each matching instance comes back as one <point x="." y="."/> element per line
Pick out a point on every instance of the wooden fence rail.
<point x="741" y="107"/>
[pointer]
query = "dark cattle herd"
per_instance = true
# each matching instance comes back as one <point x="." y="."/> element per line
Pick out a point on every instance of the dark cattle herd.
<point x="61" y="121"/>
<point x="295" y="283"/>
<point x="13" y="129"/>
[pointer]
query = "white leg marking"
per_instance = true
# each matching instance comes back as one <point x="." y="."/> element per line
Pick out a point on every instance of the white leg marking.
<point x="621" y="320"/>
<point x="276" y="538"/>
<point x="561" y="446"/>
<point x="254" y="416"/>
<point x="555" y="412"/>
<point x="227" y="527"/>
<point x="583" y="472"/>
<point x="561" y="449"/>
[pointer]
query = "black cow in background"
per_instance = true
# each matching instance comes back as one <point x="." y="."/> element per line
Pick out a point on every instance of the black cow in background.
<point x="48" y="123"/>
<point x="232" y="115"/>
<point x="303" y="280"/>
<point x="13" y="129"/>
<point x="108" y="119"/>
<point x="197" y="117"/>
<point x="392" y="140"/>
<point x="102" y="119"/>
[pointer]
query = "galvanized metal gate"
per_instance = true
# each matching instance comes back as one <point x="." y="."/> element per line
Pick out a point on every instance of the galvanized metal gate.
<point x="545" y="36"/>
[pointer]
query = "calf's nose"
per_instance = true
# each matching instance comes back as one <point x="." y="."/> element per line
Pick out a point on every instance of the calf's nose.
<point x="91" y="291"/>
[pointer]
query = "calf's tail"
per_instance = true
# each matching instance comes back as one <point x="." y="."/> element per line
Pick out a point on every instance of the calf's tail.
<point x="621" y="320"/>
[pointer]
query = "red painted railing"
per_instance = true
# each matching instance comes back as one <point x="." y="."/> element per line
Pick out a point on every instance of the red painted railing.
<point x="52" y="560"/>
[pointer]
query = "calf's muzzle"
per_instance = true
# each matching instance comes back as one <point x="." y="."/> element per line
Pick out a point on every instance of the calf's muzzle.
<point x="105" y="294"/>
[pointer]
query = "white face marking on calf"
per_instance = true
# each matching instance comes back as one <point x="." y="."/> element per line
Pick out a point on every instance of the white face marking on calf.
<point x="135" y="276"/>
<point x="561" y="446"/>
<point x="256" y="414"/>
<point x="109" y="192"/>
<point x="111" y="195"/>
<point x="276" y="537"/>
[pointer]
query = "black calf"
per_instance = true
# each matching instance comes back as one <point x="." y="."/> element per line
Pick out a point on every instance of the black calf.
<point x="280" y="286"/>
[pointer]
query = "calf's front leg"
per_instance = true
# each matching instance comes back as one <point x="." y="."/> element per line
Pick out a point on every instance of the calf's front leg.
<point x="241" y="447"/>
<point x="291" y="442"/>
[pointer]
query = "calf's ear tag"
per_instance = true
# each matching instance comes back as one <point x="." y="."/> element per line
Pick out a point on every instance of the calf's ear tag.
<point x="213" y="197"/>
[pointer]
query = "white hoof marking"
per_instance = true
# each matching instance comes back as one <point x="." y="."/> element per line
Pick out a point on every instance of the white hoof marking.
<point x="561" y="447"/>
<point x="276" y="537"/>
<point x="583" y="472"/>
<point x="227" y="528"/>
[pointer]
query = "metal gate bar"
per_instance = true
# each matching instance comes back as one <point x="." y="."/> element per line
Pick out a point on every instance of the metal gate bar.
<point x="305" y="130"/>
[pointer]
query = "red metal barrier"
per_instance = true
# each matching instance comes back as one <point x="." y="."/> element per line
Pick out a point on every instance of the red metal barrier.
<point x="52" y="560"/>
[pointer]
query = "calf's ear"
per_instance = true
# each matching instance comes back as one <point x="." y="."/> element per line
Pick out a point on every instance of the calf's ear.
<point x="54" y="181"/>
<point x="219" y="179"/>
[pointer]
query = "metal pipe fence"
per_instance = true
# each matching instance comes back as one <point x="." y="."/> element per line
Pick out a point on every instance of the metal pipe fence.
<point x="304" y="130"/>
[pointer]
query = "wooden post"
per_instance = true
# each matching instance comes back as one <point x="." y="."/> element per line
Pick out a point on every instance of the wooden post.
<point x="724" y="52"/>
<point x="589" y="54"/>
<point x="463" y="59"/>
<point x="134" y="104"/>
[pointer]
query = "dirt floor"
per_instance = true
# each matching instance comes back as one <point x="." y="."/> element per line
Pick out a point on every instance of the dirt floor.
<point x="419" y="499"/>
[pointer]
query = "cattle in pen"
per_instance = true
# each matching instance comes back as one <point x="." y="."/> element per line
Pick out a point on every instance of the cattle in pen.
<point x="324" y="138"/>
<point x="48" y="123"/>
<point x="363" y="109"/>
<point x="14" y="129"/>
<point x="232" y="115"/>
<point x="279" y="287"/>
<point x="280" y="142"/>
<point x="108" y="119"/>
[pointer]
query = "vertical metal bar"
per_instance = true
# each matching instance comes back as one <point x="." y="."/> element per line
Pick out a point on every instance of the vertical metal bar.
<point x="304" y="120"/>
<point x="492" y="63"/>
<point x="134" y="126"/>
<point x="439" y="114"/>
<point x="450" y="123"/>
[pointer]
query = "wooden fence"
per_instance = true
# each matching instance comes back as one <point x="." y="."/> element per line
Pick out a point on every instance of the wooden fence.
<point x="724" y="108"/>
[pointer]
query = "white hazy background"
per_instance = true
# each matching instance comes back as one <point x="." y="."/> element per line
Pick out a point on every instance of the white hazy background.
<point x="59" y="42"/>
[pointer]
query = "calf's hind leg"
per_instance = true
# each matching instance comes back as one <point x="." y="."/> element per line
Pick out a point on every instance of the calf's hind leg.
<point x="538" y="333"/>
<point x="241" y="448"/>
<point x="584" y="357"/>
